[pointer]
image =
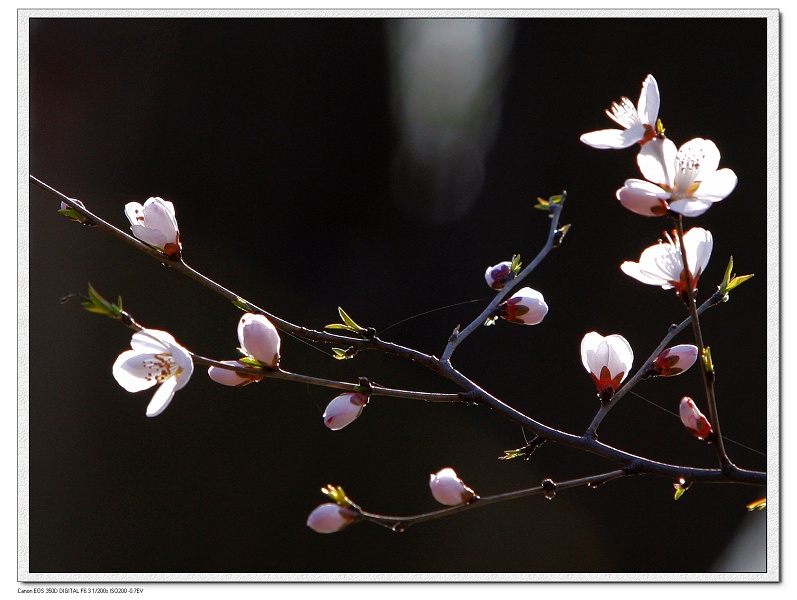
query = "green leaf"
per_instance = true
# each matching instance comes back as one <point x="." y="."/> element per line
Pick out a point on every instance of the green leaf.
<point x="516" y="264"/>
<point x="339" y="326"/>
<point x="349" y="321"/>
<point x="99" y="305"/>
<point x="737" y="281"/>
<point x="250" y="362"/>
<point x="242" y="304"/>
<point x="341" y="354"/>
<point x="71" y="214"/>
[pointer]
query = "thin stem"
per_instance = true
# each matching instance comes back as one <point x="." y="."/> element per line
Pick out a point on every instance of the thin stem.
<point x="458" y="336"/>
<point x="674" y="330"/>
<point x="708" y="377"/>
<point x="372" y="389"/>
<point x="402" y="523"/>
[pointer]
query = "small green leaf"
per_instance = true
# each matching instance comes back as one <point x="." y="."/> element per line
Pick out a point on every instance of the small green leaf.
<point x="242" y="304"/>
<point x="339" y="326"/>
<point x="681" y="486"/>
<point x="349" y="321"/>
<point x="341" y="354"/>
<point x="516" y="264"/>
<point x="72" y="214"/>
<point x="737" y="281"/>
<point x="99" y="305"/>
<point x="250" y="362"/>
<point x="708" y="364"/>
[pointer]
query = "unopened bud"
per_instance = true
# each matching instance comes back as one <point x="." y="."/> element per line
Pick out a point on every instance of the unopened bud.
<point x="343" y="410"/>
<point x="259" y="339"/>
<point x="674" y="360"/>
<point x="330" y="517"/>
<point x="527" y="306"/>
<point x="154" y="223"/>
<point x="449" y="489"/>
<point x="499" y="275"/>
<point x="230" y="377"/>
<point x="693" y="419"/>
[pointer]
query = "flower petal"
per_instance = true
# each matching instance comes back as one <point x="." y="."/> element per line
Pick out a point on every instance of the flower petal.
<point x="614" y="138"/>
<point x="717" y="186"/>
<point x="698" y="243"/>
<point x="621" y="356"/>
<point x="153" y="341"/>
<point x="163" y="395"/>
<point x="656" y="161"/>
<point x="131" y="371"/>
<point x="690" y="207"/>
<point x="648" y="106"/>
<point x="636" y="271"/>
<point x="704" y="154"/>
<point x="643" y="198"/>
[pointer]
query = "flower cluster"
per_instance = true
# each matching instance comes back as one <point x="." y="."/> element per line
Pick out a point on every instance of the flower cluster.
<point x="686" y="180"/>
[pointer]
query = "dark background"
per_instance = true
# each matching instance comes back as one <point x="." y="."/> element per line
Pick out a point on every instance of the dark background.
<point x="277" y="142"/>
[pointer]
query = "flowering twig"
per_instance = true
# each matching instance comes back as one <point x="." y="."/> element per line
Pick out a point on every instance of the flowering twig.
<point x="707" y="367"/>
<point x="674" y="330"/>
<point x="554" y="236"/>
<point x="548" y="487"/>
<point x="472" y="393"/>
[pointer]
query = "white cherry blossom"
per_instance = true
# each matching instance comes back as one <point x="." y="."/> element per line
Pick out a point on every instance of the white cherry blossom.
<point x="663" y="265"/>
<point x="155" y="224"/>
<point x="155" y="359"/>
<point x="685" y="181"/>
<point x="638" y="123"/>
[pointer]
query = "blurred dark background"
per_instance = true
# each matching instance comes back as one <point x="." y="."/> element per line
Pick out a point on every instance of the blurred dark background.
<point x="381" y="166"/>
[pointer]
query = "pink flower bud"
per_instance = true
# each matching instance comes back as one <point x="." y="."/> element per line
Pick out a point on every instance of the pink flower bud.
<point x="330" y="517"/>
<point x="449" y="489"/>
<point x="229" y="377"/>
<point x="608" y="360"/>
<point x="527" y="306"/>
<point x="693" y="419"/>
<point x="498" y="276"/>
<point x="154" y="223"/>
<point x="259" y="339"/>
<point x="674" y="360"/>
<point x="343" y="410"/>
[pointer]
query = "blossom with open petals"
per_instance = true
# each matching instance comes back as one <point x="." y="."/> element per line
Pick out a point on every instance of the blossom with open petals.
<point x="344" y="409"/>
<point x="663" y="264"/>
<point x="686" y="182"/>
<point x="154" y="223"/>
<point x="330" y="517"/>
<point x="608" y="360"/>
<point x="259" y="339"/>
<point x="156" y="358"/>
<point x="638" y="123"/>
<point x="694" y="420"/>
<point x="447" y="488"/>
<point x="526" y="306"/>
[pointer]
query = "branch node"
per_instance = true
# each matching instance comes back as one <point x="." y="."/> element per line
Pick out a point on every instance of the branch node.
<point x="471" y="397"/>
<point x="549" y="489"/>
